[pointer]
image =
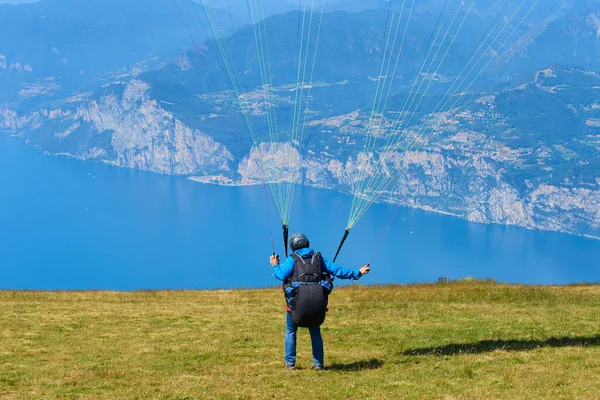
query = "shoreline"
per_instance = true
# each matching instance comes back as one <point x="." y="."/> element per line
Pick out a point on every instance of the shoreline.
<point x="220" y="180"/>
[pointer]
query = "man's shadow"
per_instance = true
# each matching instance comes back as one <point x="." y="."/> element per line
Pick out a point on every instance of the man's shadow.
<point x="362" y="365"/>
<point x="486" y="346"/>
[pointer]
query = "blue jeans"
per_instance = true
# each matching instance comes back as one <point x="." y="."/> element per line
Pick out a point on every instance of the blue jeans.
<point x="290" y="342"/>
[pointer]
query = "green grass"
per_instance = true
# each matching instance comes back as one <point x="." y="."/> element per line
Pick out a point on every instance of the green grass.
<point x="461" y="340"/>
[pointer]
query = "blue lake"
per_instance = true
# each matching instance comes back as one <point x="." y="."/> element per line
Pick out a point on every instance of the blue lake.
<point x="66" y="224"/>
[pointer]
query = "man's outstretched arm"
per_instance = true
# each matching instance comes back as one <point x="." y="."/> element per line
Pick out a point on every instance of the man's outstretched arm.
<point x="345" y="273"/>
<point x="282" y="271"/>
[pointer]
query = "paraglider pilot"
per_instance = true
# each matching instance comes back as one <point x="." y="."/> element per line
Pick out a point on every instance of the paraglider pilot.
<point x="306" y="277"/>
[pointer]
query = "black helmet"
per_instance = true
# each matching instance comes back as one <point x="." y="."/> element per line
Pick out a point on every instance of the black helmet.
<point x="298" y="241"/>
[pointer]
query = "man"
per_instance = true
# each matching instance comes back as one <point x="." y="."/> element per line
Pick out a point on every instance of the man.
<point x="288" y="272"/>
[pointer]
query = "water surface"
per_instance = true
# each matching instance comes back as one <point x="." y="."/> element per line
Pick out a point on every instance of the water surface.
<point x="66" y="224"/>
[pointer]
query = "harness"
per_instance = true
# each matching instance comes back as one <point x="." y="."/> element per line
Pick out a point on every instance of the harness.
<point x="307" y="290"/>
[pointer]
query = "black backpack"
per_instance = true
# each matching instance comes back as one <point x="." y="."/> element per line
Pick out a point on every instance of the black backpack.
<point x="308" y="291"/>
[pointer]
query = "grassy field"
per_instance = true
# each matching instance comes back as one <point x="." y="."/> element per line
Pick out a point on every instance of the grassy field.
<point x="460" y="340"/>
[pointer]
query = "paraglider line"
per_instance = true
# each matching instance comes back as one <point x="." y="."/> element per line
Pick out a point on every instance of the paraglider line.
<point x="237" y="131"/>
<point x="275" y="194"/>
<point x="359" y="204"/>
<point x="300" y="137"/>
<point x="383" y="185"/>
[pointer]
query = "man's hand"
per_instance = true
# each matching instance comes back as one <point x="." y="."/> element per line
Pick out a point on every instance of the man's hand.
<point x="274" y="260"/>
<point x="365" y="269"/>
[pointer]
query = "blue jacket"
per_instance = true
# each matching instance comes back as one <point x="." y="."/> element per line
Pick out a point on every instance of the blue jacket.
<point x="284" y="271"/>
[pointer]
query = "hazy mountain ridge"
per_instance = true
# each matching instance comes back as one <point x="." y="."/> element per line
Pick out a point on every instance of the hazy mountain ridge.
<point x="76" y="43"/>
<point x="524" y="150"/>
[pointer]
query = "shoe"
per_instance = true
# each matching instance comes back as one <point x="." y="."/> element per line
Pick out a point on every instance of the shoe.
<point x="317" y="368"/>
<point x="290" y="366"/>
